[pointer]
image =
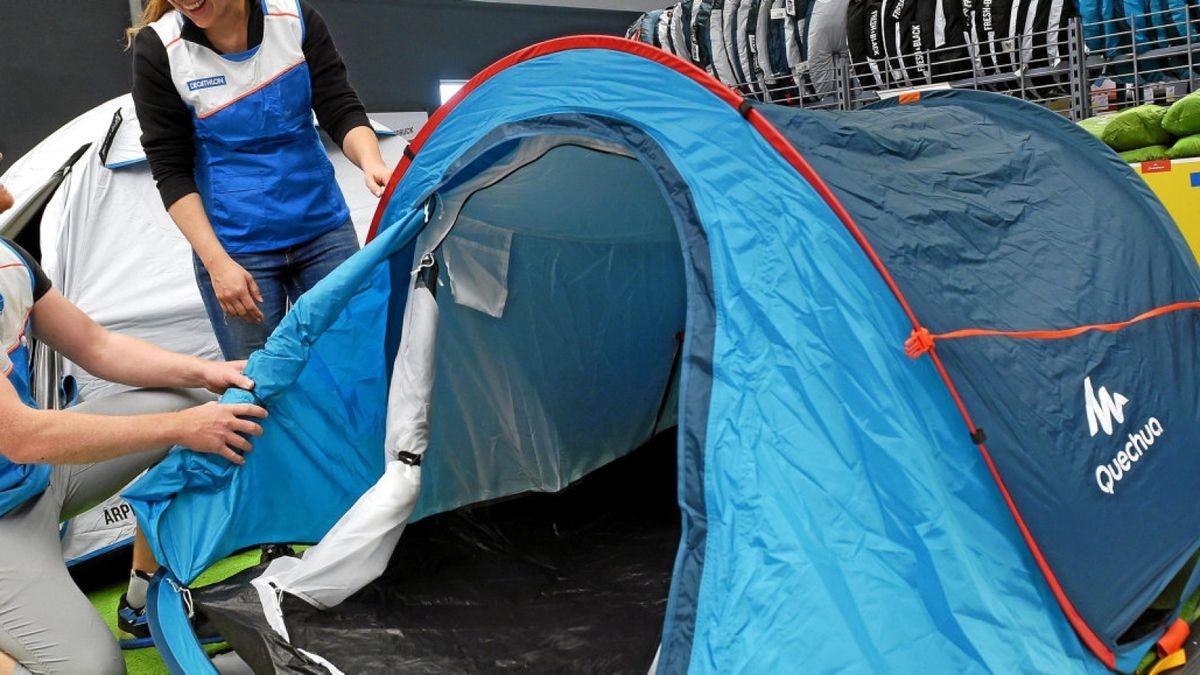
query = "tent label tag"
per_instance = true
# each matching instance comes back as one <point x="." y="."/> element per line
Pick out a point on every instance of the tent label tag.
<point x="1156" y="166"/>
<point x="110" y="136"/>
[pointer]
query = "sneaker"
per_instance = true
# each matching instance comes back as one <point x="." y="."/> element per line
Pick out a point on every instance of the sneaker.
<point x="133" y="622"/>
<point x="273" y="551"/>
<point x="136" y="624"/>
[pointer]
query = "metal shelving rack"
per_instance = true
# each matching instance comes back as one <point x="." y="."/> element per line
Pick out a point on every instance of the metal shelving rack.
<point x="1054" y="68"/>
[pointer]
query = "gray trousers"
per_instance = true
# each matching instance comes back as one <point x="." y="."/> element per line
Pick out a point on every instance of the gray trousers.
<point x="46" y="622"/>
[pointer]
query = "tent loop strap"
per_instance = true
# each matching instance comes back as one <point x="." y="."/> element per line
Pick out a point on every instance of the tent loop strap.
<point x="427" y="259"/>
<point x="426" y="273"/>
<point x="427" y="262"/>
<point x="185" y="593"/>
<point x="921" y="341"/>
<point x="1172" y="641"/>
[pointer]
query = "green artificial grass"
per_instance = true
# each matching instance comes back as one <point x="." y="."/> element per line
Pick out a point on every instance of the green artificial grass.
<point x="147" y="661"/>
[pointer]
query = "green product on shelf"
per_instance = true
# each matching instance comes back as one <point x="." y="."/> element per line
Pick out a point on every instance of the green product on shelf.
<point x="1147" y="154"/>
<point x="1183" y="118"/>
<point x="1185" y="147"/>
<point x="1136" y="128"/>
<point x="1095" y="125"/>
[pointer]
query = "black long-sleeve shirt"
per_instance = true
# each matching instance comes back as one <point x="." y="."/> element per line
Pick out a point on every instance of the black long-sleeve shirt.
<point x="167" y="128"/>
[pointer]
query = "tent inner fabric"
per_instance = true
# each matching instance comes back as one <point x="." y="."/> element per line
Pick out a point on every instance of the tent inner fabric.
<point x="535" y="239"/>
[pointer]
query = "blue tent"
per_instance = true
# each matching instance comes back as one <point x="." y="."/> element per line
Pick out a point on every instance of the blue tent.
<point x="837" y="512"/>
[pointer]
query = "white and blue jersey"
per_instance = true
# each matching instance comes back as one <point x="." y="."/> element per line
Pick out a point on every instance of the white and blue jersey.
<point x="260" y="168"/>
<point x="18" y="482"/>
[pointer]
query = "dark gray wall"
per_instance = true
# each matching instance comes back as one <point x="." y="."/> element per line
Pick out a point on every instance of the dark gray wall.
<point x="57" y="60"/>
<point x="398" y="50"/>
<point x="57" y="63"/>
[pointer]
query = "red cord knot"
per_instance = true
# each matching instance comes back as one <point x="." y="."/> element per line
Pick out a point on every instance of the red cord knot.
<point x="918" y="343"/>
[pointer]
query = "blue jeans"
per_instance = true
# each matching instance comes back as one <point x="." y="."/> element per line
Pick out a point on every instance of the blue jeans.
<point x="282" y="275"/>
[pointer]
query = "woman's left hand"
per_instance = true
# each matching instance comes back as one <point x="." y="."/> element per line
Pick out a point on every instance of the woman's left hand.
<point x="376" y="176"/>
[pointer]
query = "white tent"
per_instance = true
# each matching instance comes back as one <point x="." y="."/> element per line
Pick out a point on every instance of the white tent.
<point x="109" y="246"/>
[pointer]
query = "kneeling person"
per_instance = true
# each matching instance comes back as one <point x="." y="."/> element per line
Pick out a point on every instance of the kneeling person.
<point x="55" y="464"/>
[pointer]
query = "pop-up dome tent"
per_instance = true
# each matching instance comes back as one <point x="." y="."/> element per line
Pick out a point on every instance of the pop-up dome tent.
<point x="863" y="485"/>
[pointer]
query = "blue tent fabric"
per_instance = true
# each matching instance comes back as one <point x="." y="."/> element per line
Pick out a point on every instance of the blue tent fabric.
<point x="168" y="619"/>
<point x="321" y="404"/>
<point x="1043" y="270"/>
<point x="836" y="512"/>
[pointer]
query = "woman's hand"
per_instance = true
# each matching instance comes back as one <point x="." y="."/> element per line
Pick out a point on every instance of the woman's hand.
<point x="376" y="175"/>
<point x="235" y="290"/>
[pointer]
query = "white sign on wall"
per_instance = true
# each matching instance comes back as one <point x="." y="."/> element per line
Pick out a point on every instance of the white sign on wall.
<point x="406" y="124"/>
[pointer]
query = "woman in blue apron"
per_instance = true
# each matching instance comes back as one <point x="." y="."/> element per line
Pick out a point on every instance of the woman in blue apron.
<point x="225" y="92"/>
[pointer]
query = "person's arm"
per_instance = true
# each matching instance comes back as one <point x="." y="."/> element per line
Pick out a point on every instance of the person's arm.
<point x="61" y="437"/>
<point x="362" y="147"/>
<point x="168" y="132"/>
<point x="124" y="359"/>
<point x="234" y="287"/>
<point x="168" y="139"/>
<point x="64" y="437"/>
<point x="339" y="111"/>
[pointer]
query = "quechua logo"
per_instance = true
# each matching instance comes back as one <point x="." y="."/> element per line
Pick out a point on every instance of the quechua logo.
<point x="1103" y="408"/>
<point x="1105" y="412"/>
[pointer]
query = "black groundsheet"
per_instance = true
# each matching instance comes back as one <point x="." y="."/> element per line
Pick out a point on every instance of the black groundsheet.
<point x="570" y="582"/>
